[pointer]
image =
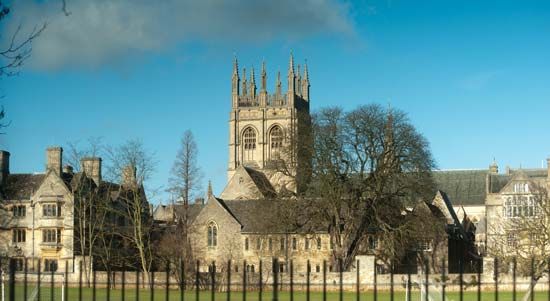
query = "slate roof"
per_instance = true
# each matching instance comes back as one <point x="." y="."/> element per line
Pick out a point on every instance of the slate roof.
<point x="165" y="212"/>
<point x="21" y="186"/>
<point x="261" y="181"/>
<point x="268" y="216"/>
<point x="463" y="187"/>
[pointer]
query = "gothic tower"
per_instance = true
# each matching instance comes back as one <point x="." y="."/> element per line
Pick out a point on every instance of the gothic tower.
<point x="264" y="127"/>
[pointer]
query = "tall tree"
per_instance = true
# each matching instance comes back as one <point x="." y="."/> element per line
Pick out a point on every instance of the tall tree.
<point x="133" y="165"/>
<point x="368" y="165"/>
<point x="186" y="174"/>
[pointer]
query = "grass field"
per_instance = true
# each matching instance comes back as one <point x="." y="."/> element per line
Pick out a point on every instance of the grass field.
<point x="174" y="295"/>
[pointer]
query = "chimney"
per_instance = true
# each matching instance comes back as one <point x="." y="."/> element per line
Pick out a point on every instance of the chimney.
<point x="547" y="167"/>
<point x="91" y="166"/>
<point x="129" y="176"/>
<point x="4" y="165"/>
<point x="53" y="159"/>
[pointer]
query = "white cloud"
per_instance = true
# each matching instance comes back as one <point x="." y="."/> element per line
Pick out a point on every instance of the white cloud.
<point x="101" y="32"/>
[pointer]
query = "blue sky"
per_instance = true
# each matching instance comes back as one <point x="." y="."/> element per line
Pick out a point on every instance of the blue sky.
<point x="473" y="76"/>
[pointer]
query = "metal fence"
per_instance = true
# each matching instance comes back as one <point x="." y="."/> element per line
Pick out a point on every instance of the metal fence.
<point x="232" y="281"/>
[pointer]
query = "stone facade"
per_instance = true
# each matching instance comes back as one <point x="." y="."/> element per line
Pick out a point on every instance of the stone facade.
<point x="38" y="210"/>
<point x="263" y="125"/>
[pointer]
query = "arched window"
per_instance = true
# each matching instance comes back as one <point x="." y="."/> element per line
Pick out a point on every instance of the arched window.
<point x="212" y="235"/>
<point x="249" y="144"/>
<point x="275" y="142"/>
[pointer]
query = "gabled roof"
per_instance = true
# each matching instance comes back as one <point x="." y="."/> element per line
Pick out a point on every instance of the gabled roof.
<point x="21" y="186"/>
<point x="168" y="213"/>
<point x="247" y="183"/>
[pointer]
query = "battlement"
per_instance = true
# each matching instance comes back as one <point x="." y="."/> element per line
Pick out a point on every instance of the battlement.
<point x="245" y="94"/>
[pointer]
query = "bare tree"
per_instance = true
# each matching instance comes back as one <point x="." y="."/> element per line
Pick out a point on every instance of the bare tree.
<point x="368" y="165"/>
<point x="90" y="207"/>
<point x="133" y="164"/>
<point x="523" y="233"/>
<point x="186" y="174"/>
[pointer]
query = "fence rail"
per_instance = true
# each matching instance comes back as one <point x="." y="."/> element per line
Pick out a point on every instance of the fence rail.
<point x="235" y="281"/>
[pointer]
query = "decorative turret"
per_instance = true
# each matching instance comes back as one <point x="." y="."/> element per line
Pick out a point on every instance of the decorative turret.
<point x="235" y="84"/>
<point x="263" y="88"/>
<point x="245" y="85"/>
<point x="278" y="90"/>
<point x="493" y="168"/>
<point x="305" y="84"/>
<point x="252" y="86"/>
<point x="298" y="82"/>
<point x="291" y="82"/>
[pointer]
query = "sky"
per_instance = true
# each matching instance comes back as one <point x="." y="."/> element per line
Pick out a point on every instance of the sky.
<point x="473" y="76"/>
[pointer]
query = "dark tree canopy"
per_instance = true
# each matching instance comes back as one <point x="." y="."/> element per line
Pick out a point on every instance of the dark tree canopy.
<point x="368" y="165"/>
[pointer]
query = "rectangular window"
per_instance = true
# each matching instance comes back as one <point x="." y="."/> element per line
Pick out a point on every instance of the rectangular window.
<point x="307" y="244"/>
<point x="246" y="244"/>
<point x="331" y="244"/>
<point x="258" y="244"/>
<point x="19" y="211"/>
<point x="294" y="244"/>
<point x="319" y="243"/>
<point x="270" y="244"/>
<point x="51" y="236"/>
<point x="50" y="265"/>
<point x="283" y="243"/>
<point x="51" y="210"/>
<point x="19" y="235"/>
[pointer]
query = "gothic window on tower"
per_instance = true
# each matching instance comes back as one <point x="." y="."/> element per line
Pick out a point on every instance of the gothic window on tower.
<point x="276" y="142"/>
<point x="249" y="144"/>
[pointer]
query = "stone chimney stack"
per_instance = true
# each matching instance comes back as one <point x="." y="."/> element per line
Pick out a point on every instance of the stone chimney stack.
<point x="547" y="167"/>
<point x="4" y="165"/>
<point x="91" y="166"/>
<point x="129" y="176"/>
<point x="53" y="159"/>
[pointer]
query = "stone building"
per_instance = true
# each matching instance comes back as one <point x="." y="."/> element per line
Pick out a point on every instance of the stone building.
<point x="246" y="222"/>
<point x="494" y="201"/>
<point x="38" y="210"/>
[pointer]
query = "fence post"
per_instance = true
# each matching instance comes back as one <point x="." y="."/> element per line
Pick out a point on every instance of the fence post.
<point x="152" y="284"/>
<point x="2" y="277"/>
<point x="291" y="280"/>
<point x="66" y="288"/>
<point x="479" y="267"/>
<point x="25" y="280"/>
<point x="12" y="279"/>
<point x="496" y="278"/>
<point x="93" y="283"/>
<point x="182" y="279"/>
<point x="357" y="279"/>
<point x="229" y="280"/>
<point x="213" y="282"/>
<point x="532" y="282"/>
<point x="461" y="278"/>
<point x="244" y="280"/>
<point x="275" y="279"/>
<point x="514" y="267"/>
<point x="197" y="282"/>
<point x="340" y="270"/>
<point x="324" y="280"/>
<point x="52" y="282"/>
<point x="137" y="284"/>
<point x="80" y="281"/>
<point x="408" y="292"/>
<point x="167" y="295"/>
<point x="260" y="282"/>
<point x="375" y="279"/>
<point x="308" y="274"/>
<point x="123" y="283"/>
<point x="392" y="266"/>
<point x="443" y="280"/>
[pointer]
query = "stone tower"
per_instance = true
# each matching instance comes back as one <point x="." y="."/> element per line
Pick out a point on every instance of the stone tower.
<point x="263" y="126"/>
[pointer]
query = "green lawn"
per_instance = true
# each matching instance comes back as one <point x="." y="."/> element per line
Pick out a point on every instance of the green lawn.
<point x="174" y="295"/>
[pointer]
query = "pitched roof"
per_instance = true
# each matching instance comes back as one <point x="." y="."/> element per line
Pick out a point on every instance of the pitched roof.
<point x="266" y="216"/>
<point x="21" y="186"/>
<point x="248" y="183"/>
<point x="167" y="213"/>
<point x="464" y="187"/>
